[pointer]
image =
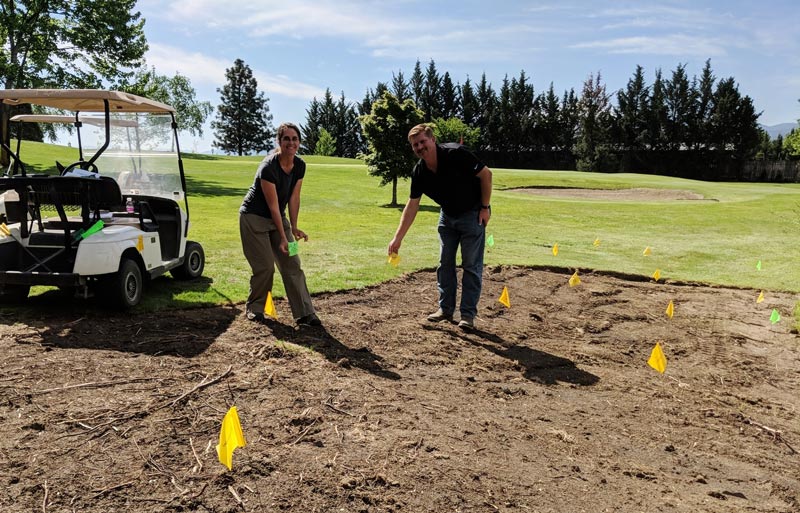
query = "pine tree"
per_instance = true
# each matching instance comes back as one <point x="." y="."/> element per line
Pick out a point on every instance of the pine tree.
<point x="570" y="121"/>
<point x="703" y="93"/>
<point x="243" y="124"/>
<point x="431" y="102"/>
<point x="469" y="104"/>
<point x="630" y="127"/>
<point x="311" y="129"/>
<point x="485" y="119"/>
<point x="400" y="88"/>
<point x="678" y="101"/>
<point x="550" y="115"/>
<point x="417" y="84"/>
<point x="451" y="98"/>
<point x="656" y="137"/>
<point x="593" y="135"/>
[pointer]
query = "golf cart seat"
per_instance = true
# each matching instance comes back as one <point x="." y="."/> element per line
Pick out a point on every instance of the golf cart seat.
<point x="83" y="196"/>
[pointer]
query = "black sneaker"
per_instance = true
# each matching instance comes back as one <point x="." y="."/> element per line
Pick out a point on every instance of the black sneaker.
<point x="309" y="320"/>
<point x="467" y="323"/>
<point x="255" y="317"/>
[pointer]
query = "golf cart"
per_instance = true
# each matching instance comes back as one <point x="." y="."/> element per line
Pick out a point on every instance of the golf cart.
<point x="102" y="224"/>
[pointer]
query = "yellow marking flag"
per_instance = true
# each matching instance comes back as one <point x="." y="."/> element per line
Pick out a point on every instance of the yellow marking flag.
<point x="760" y="297"/>
<point x="657" y="359"/>
<point x="596" y="242"/>
<point x="574" y="280"/>
<point x="269" y="308"/>
<point x="555" y="249"/>
<point x="670" y="309"/>
<point x="230" y="437"/>
<point x="657" y="274"/>
<point x="647" y="251"/>
<point x="393" y="259"/>
<point x="504" y="298"/>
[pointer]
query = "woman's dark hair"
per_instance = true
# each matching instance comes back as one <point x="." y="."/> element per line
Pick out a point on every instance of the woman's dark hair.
<point x="284" y="127"/>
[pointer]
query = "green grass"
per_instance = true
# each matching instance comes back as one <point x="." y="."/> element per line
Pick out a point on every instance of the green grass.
<point x="718" y="240"/>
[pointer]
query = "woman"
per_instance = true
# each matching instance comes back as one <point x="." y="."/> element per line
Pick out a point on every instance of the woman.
<point x="266" y="232"/>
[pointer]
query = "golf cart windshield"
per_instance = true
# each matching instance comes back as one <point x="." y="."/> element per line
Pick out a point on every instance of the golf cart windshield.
<point x="123" y="136"/>
<point x="141" y="154"/>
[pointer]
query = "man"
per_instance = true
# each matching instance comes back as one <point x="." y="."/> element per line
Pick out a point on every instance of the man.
<point x="462" y="186"/>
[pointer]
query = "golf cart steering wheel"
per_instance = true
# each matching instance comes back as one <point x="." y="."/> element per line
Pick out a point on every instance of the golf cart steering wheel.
<point x="90" y="166"/>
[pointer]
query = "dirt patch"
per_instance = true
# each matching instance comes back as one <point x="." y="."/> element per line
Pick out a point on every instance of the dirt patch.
<point x="548" y="407"/>
<point x="634" y="194"/>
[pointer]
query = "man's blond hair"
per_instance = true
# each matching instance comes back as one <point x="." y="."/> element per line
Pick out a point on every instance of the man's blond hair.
<point x="421" y="128"/>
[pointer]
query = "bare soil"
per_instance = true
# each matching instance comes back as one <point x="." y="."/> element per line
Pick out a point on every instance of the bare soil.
<point x="548" y="406"/>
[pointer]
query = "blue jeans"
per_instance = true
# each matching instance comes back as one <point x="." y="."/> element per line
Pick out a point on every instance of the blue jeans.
<point x="467" y="231"/>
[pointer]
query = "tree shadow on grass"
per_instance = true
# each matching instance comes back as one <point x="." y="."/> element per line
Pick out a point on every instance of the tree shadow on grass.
<point x="422" y="208"/>
<point x="318" y="339"/>
<point x="541" y="367"/>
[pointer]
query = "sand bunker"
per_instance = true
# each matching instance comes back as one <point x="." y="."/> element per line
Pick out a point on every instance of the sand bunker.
<point x="635" y="194"/>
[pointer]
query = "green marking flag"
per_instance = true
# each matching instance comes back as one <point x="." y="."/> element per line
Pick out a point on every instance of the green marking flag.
<point x="293" y="248"/>
<point x="758" y="265"/>
<point x="775" y="317"/>
<point x="490" y="240"/>
<point x="96" y="227"/>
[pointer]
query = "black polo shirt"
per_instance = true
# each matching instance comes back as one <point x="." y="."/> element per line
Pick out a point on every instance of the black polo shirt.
<point x="454" y="185"/>
<point x="270" y="170"/>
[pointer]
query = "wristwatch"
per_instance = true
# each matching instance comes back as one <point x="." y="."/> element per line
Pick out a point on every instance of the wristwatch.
<point x="486" y="207"/>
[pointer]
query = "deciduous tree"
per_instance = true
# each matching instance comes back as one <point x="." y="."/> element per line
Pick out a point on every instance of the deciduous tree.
<point x="386" y="131"/>
<point x="67" y="44"/>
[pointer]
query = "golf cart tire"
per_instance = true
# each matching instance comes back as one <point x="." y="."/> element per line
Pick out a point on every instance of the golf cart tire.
<point x="194" y="261"/>
<point x="14" y="294"/>
<point x="124" y="289"/>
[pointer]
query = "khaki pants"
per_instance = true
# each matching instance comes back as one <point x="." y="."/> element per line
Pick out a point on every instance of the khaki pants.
<point x="261" y="245"/>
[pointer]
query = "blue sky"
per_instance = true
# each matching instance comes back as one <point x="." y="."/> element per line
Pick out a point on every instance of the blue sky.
<point x="298" y="48"/>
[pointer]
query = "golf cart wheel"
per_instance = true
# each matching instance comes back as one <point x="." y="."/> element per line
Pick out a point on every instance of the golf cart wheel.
<point x="12" y="294"/>
<point x="124" y="288"/>
<point x="194" y="261"/>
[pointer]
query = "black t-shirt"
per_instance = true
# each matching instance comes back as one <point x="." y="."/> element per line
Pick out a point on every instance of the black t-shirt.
<point x="270" y="170"/>
<point x="454" y="185"/>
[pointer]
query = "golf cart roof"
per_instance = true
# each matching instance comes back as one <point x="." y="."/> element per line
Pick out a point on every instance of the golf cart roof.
<point x="57" y="118"/>
<point x="83" y="100"/>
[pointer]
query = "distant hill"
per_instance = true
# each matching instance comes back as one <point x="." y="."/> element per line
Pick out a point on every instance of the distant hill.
<point x="779" y="129"/>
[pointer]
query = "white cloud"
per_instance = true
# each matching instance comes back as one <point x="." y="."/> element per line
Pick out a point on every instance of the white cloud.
<point x="209" y="71"/>
<point x="677" y="44"/>
<point x="380" y="30"/>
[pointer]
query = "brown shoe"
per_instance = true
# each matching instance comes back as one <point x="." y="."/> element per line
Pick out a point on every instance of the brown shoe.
<point x="439" y="316"/>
